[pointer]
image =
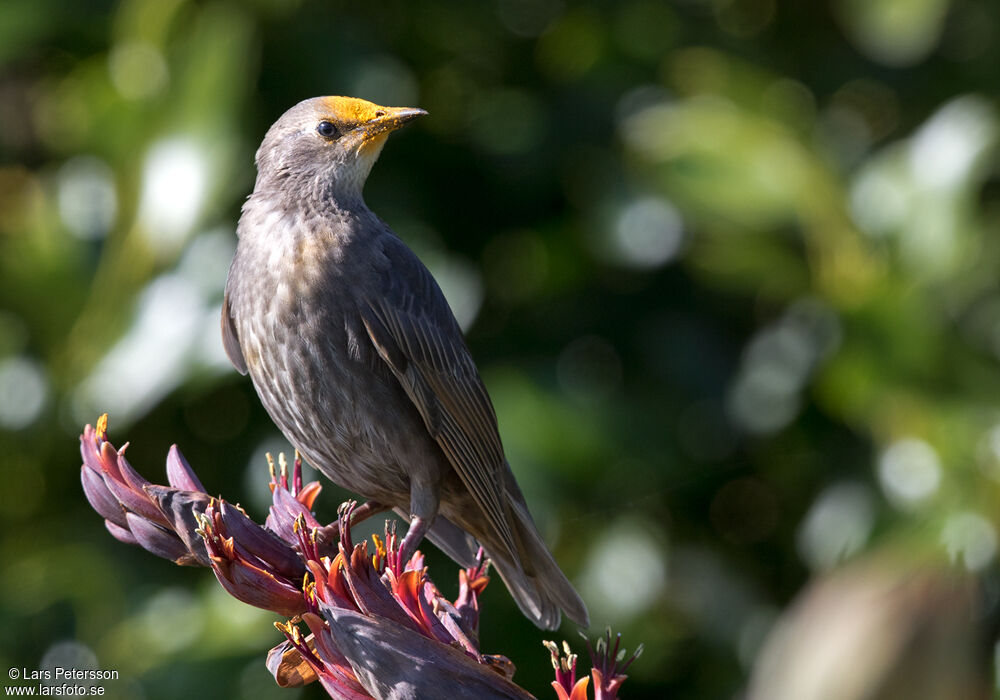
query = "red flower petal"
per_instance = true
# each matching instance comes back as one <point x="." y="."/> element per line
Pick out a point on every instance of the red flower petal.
<point x="257" y="587"/>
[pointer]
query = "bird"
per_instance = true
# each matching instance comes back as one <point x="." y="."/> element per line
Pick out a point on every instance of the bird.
<point x="358" y="359"/>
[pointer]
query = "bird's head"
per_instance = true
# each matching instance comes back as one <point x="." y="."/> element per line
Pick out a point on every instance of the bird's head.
<point x="330" y="141"/>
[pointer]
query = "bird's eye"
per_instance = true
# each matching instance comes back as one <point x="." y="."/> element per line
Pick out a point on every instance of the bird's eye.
<point x="328" y="130"/>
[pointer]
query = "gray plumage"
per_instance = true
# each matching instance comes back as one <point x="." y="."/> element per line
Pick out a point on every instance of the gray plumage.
<point x="358" y="358"/>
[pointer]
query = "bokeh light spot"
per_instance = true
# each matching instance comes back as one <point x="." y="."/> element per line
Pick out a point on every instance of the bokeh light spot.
<point x="23" y="392"/>
<point x="763" y="399"/>
<point x="971" y="538"/>
<point x="647" y="233"/>
<point x="88" y="201"/>
<point x="945" y="149"/>
<point x="879" y="201"/>
<point x="837" y="526"/>
<point x="893" y="32"/>
<point x="171" y="620"/>
<point x="175" y="178"/>
<point x="988" y="453"/>
<point x="571" y="46"/>
<point x="68" y="654"/>
<point x="461" y="284"/>
<point x="625" y="573"/>
<point x="909" y="472"/>
<point x="153" y="355"/>
<point x="138" y="70"/>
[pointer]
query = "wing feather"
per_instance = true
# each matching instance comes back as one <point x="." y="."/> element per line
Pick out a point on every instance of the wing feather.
<point x="414" y="332"/>
<point x="230" y="341"/>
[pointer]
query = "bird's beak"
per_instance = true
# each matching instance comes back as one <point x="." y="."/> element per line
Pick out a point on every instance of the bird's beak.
<point x="389" y="119"/>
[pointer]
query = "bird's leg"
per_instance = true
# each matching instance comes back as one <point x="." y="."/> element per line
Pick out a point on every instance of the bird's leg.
<point x="418" y="528"/>
<point x="425" y="499"/>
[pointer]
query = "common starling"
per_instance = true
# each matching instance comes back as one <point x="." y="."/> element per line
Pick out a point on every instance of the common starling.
<point x="358" y="359"/>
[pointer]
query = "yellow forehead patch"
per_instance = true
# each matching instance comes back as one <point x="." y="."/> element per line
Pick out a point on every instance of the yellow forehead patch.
<point x="351" y="110"/>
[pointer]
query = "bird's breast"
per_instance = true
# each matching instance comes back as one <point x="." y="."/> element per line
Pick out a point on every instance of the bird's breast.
<point x="319" y="376"/>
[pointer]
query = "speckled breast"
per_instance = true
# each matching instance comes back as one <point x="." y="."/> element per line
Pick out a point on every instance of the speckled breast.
<point x="322" y="383"/>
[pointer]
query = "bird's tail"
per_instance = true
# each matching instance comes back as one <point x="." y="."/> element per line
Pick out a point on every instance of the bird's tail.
<point x="533" y="578"/>
<point x="538" y="585"/>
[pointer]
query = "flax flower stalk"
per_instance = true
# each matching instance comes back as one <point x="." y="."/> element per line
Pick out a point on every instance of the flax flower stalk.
<point x="364" y="624"/>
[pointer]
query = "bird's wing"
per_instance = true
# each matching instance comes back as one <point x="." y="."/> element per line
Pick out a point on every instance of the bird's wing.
<point x="415" y="333"/>
<point x="229" y="340"/>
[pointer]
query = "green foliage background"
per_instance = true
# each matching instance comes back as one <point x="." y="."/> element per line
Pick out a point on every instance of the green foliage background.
<point x="729" y="268"/>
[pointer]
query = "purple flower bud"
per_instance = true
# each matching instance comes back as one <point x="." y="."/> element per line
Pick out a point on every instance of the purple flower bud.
<point x="179" y="472"/>
<point x="120" y="533"/>
<point x="252" y="584"/>
<point x="378" y="627"/>
<point x="183" y="509"/>
<point x="158" y="540"/>
<point x="285" y="510"/>
<point x="100" y="498"/>
<point x="260" y="543"/>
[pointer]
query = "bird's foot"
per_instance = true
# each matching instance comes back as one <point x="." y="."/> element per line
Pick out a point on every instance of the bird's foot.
<point x="414" y="535"/>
